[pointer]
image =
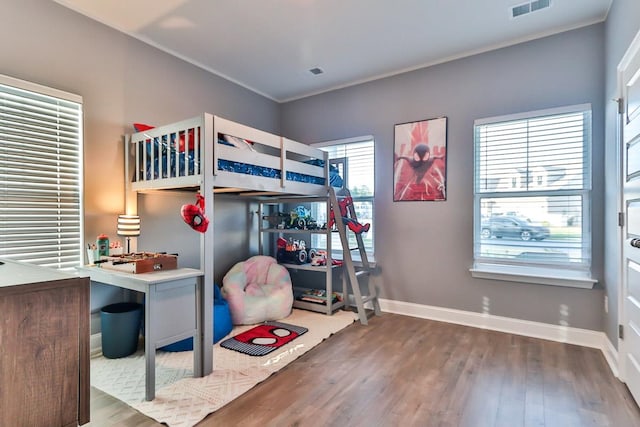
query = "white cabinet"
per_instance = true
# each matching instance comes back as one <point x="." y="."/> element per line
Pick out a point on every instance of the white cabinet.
<point x="278" y="220"/>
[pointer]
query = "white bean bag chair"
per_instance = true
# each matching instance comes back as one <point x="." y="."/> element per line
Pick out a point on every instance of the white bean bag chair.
<point x="257" y="290"/>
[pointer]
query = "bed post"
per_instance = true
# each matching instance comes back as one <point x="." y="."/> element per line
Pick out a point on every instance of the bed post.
<point x="207" y="167"/>
<point x="130" y="196"/>
<point x="283" y="162"/>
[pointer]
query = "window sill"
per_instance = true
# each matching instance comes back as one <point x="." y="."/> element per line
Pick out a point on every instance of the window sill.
<point x="537" y="275"/>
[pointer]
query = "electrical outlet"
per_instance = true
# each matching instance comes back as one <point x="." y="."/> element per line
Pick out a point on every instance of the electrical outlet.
<point x="606" y="304"/>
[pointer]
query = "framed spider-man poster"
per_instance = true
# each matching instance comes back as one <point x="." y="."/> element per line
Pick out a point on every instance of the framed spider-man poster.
<point x="420" y="161"/>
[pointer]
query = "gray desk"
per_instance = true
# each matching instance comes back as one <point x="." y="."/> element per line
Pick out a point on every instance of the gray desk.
<point x="173" y="311"/>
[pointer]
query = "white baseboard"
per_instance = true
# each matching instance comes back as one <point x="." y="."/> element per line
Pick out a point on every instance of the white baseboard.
<point x="611" y="354"/>
<point x="559" y="333"/>
<point x="95" y="344"/>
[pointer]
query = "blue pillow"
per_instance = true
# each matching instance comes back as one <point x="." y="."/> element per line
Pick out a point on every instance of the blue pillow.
<point x="221" y="324"/>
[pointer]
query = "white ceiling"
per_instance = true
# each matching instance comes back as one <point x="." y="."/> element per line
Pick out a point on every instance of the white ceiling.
<point x="269" y="46"/>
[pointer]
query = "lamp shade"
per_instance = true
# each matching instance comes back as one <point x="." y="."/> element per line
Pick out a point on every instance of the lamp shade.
<point x="128" y="225"/>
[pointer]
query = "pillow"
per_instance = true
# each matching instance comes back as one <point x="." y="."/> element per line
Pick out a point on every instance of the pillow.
<point x="181" y="141"/>
<point x="240" y="143"/>
<point x="141" y="127"/>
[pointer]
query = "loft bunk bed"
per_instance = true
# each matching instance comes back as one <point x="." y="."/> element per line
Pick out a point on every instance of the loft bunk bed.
<point x="215" y="155"/>
<point x="227" y="155"/>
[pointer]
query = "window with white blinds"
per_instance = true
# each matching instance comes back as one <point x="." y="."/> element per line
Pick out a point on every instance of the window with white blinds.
<point x="533" y="189"/>
<point x="40" y="175"/>
<point x="359" y="179"/>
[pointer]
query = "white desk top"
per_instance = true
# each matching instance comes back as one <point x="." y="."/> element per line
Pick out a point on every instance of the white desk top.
<point x="13" y="273"/>
<point x="120" y="278"/>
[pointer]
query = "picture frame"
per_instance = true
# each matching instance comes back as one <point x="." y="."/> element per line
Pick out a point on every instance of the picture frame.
<point x="420" y="160"/>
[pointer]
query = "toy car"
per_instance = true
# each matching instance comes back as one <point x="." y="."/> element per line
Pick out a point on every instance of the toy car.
<point x="293" y="251"/>
<point x="301" y="219"/>
<point x="318" y="257"/>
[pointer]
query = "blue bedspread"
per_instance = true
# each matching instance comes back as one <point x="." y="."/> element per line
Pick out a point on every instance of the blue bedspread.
<point x="186" y="163"/>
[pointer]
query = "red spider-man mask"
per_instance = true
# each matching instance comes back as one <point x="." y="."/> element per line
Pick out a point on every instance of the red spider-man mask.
<point x="194" y="215"/>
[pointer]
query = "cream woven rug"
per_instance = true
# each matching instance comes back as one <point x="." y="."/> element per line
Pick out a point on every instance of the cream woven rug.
<point x="182" y="400"/>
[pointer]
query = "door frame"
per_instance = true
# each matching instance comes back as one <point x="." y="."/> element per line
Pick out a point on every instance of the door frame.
<point x="631" y="52"/>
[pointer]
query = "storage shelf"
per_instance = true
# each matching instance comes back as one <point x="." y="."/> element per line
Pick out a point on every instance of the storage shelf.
<point x="305" y="305"/>
<point x="278" y="205"/>
<point x="308" y="267"/>
<point x="293" y="231"/>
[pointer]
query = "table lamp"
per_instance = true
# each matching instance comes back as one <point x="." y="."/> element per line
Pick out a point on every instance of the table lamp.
<point x="128" y="226"/>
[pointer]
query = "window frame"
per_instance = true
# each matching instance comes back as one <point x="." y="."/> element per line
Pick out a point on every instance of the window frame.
<point x="48" y="97"/>
<point x="530" y="272"/>
<point x="337" y="248"/>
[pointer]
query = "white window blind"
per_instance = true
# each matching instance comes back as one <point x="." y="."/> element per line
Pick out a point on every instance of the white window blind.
<point x="533" y="189"/>
<point x="40" y="175"/>
<point x="359" y="179"/>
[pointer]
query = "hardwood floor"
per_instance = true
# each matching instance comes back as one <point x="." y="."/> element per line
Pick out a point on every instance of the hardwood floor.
<point x="403" y="371"/>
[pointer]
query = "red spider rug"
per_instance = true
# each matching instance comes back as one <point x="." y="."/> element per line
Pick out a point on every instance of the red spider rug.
<point x="264" y="338"/>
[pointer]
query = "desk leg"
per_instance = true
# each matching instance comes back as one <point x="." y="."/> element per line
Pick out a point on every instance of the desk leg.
<point x="149" y="349"/>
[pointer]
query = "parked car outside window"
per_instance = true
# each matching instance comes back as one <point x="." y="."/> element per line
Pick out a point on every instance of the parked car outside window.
<point x="513" y="227"/>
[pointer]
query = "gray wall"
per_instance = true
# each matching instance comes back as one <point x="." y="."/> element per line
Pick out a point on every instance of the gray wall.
<point x="425" y="248"/>
<point x="122" y="81"/>
<point x="232" y="218"/>
<point x="622" y="25"/>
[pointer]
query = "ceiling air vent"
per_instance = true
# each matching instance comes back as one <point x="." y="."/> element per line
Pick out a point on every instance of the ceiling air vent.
<point x="540" y="4"/>
<point x="523" y="9"/>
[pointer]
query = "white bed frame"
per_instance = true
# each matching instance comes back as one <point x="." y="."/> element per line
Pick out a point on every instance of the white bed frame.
<point x="284" y="154"/>
<point x="277" y="152"/>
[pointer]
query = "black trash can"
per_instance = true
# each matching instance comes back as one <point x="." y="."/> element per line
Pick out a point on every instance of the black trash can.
<point x="120" y="324"/>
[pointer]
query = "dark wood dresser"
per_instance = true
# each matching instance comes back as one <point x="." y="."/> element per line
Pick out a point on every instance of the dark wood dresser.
<point x="44" y="347"/>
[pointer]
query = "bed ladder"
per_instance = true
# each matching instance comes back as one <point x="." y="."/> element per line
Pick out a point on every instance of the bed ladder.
<point x="344" y="214"/>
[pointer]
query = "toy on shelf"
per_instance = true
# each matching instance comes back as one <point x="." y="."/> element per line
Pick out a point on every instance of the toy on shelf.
<point x="352" y="223"/>
<point x="278" y="220"/>
<point x="293" y="251"/>
<point x="296" y="252"/>
<point x="299" y="218"/>
<point x="318" y="257"/>
<point x="319" y="296"/>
